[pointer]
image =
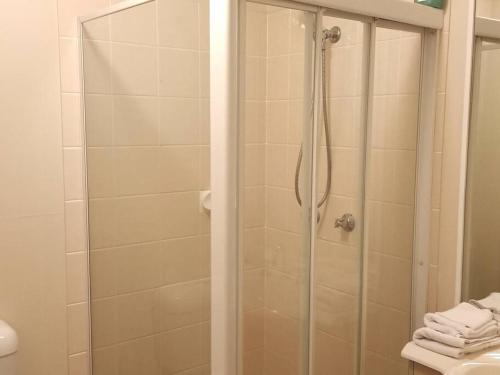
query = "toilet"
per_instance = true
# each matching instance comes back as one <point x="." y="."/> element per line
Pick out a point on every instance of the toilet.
<point x="8" y="349"/>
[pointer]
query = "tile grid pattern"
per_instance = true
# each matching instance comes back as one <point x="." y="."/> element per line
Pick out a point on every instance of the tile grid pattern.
<point x="391" y="198"/>
<point x="338" y="253"/>
<point x="137" y="92"/>
<point x="74" y="207"/>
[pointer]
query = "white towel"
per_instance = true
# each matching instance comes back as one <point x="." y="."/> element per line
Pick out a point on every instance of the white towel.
<point x="463" y="315"/>
<point x="492" y="303"/>
<point x="449" y="327"/>
<point x="457" y="342"/>
<point x="455" y="352"/>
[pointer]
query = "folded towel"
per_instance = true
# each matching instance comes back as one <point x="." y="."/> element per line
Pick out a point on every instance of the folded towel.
<point x="465" y="315"/>
<point x="455" y="352"/>
<point x="449" y="327"/>
<point x="492" y="303"/>
<point x="457" y="342"/>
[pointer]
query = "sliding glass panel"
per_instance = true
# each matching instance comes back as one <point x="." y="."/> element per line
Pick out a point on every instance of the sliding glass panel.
<point x="481" y="255"/>
<point x="338" y="253"/>
<point x="276" y="229"/>
<point x="147" y="156"/>
<point x="390" y="201"/>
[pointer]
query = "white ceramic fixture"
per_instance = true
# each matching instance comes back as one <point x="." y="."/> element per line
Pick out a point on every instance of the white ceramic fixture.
<point x="475" y="368"/>
<point x="482" y="363"/>
<point x="8" y="349"/>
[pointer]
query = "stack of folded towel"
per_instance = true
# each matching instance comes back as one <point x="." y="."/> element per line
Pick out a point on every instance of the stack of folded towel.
<point x="492" y="303"/>
<point x="466" y="328"/>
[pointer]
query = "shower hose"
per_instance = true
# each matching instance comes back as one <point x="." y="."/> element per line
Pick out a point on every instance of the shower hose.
<point x="326" y="125"/>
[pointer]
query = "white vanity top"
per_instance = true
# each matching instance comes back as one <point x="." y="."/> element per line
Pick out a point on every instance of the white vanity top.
<point x="445" y="364"/>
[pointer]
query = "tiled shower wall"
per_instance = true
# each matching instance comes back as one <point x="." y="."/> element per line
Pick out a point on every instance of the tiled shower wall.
<point x="391" y="199"/>
<point x="147" y="163"/>
<point x="141" y="80"/>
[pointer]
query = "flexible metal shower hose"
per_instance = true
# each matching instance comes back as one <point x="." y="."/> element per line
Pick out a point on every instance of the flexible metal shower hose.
<point x="326" y="124"/>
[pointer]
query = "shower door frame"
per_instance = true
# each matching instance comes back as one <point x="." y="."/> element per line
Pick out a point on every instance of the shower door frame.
<point x="227" y="84"/>
<point x="225" y="117"/>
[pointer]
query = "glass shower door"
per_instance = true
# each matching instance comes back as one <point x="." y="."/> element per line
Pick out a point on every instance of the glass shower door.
<point x="276" y="229"/>
<point x="147" y="159"/>
<point x="338" y="255"/>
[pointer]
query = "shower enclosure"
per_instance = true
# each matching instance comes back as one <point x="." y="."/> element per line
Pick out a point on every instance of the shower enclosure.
<point x="262" y="218"/>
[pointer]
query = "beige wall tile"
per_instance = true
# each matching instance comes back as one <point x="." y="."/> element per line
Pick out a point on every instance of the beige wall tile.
<point x="253" y="330"/>
<point x="103" y="272"/>
<point x="179" y="23"/>
<point x="135" y="121"/>
<point x="98" y="120"/>
<point x="204" y="75"/>
<point x="179" y="168"/>
<point x="70" y="10"/>
<point x="381" y="365"/>
<point x="69" y="57"/>
<point x="388" y="330"/>
<point x="254" y="207"/>
<point x="255" y="157"/>
<point x="181" y="349"/>
<point x="256" y="42"/>
<point x="279" y="28"/>
<point x="338" y="266"/>
<point x="395" y="122"/>
<point x="278" y="84"/>
<point x="78" y="333"/>
<point x="79" y="364"/>
<point x="135" y="25"/>
<point x="283" y="251"/>
<point x="96" y="29"/>
<point x="276" y="365"/>
<point x="281" y="336"/>
<point x="100" y="175"/>
<point x="73" y="174"/>
<point x="282" y="294"/>
<point x="253" y="362"/>
<point x="255" y="88"/>
<point x="179" y="121"/>
<point x="179" y="73"/>
<point x="333" y="353"/>
<point x="102" y="224"/>
<point x="253" y="289"/>
<point x="71" y="119"/>
<point x="276" y="163"/>
<point x="254" y="248"/>
<point x="392" y="176"/>
<point x="178" y="305"/>
<point x="390" y="228"/>
<point x="136" y="171"/>
<point x="134" y="69"/>
<point x="75" y="223"/>
<point x="277" y="120"/>
<point x="76" y="277"/>
<point x="137" y="357"/>
<point x="184" y="259"/>
<point x="136" y="267"/>
<point x="336" y="313"/>
<point x="345" y="80"/>
<point x="97" y="67"/>
<point x="296" y="78"/>
<point x="345" y="121"/>
<point x="393" y="291"/>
